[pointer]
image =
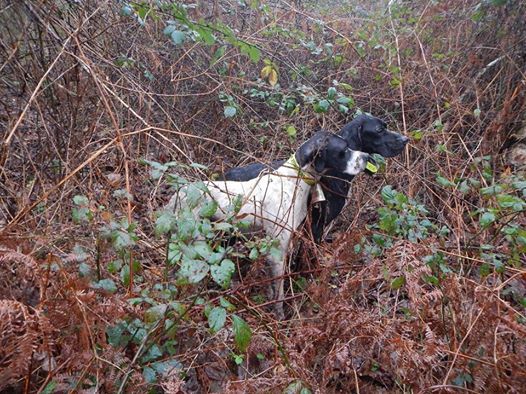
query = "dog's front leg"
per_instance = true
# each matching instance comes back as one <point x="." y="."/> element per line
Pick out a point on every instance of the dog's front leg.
<point x="277" y="270"/>
<point x="277" y="266"/>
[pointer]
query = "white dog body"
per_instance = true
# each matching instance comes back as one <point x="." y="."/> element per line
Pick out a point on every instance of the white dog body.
<point x="277" y="201"/>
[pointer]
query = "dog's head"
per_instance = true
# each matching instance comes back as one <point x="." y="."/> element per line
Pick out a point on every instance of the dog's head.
<point x="325" y="151"/>
<point x="369" y="134"/>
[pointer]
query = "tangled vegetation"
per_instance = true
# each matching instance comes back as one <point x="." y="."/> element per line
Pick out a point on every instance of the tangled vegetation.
<point x="108" y="107"/>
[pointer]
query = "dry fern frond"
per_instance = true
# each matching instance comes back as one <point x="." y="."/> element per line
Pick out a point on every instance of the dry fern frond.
<point x="19" y="278"/>
<point x="18" y="339"/>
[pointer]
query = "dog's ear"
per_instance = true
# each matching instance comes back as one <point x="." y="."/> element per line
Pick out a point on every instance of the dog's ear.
<point x="312" y="150"/>
<point x="319" y="161"/>
<point x="351" y="132"/>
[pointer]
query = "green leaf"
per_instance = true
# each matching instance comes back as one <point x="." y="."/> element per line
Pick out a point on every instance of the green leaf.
<point x="227" y="304"/>
<point x="322" y="106"/>
<point x="106" y="285"/>
<point x="432" y="279"/>
<point x="117" y="335"/>
<point x="177" y="37"/>
<point x="297" y="387"/>
<point x="203" y="249"/>
<point x="50" y="388"/>
<point x="230" y="111"/>
<point x="205" y="34"/>
<point x="222" y="273"/>
<point x="519" y="185"/>
<point x="398" y="282"/>
<point x="388" y="194"/>
<point x="149" y="375"/>
<point x="242" y="333"/>
<point x="254" y="254"/>
<point x="217" y="319"/>
<point x="291" y="131"/>
<point x="155" y="313"/>
<point x="509" y="201"/>
<point x="484" y="270"/>
<point x="491" y="190"/>
<point x="174" y="253"/>
<point x="417" y="135"/>
<point x="236" y="204"/>
<point x="222" y="226"/>
<point x="486" y="219"/>
<point x="81" y="200"/>
<point x="194" y="270"/>
<point x="444" y="182"/>
<point x="331" y="93"/>
<point x="345" y="100"/>
<point x="252" y="51"/>
<point x="169" y="29"/>
<point x="165" y="222"/>
<point x="167" y="367"/>
<point x="208" y="209"/>
<point x="82" y="214"/>
<point x="193" y="195"/>
<point x="125" y="275"/>
<point x="343" y="109"/>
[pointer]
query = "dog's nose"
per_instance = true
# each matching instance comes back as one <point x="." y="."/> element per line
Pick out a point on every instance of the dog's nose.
<point x="404" y="139"/>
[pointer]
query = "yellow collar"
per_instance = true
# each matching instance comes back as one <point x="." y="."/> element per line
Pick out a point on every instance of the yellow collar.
<point x="305" y="177"/>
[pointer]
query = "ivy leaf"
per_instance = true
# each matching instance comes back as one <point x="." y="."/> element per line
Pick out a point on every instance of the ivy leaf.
<point x="194" y="270"/>
<point x="217" y="319"/>
<point x="222" y="273"/>
<point x="242" y="333"/>
<point x="230" y="111"/>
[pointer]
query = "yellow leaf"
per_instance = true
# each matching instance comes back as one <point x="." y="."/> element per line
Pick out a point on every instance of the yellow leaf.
<point x="273" y="77"/>
<point x="265" y="71"/>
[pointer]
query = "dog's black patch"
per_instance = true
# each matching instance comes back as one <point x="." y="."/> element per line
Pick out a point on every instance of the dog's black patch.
<point x="365" y="133"/>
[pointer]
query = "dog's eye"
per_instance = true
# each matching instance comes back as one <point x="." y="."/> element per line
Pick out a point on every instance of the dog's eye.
<point x="379" y="129"/>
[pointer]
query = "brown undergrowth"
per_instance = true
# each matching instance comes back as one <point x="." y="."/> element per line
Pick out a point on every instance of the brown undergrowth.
<point x="422" y="288"/>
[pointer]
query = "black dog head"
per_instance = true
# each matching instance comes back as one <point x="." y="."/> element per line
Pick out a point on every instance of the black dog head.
<point x="369" y="134"/>
<point x="326" y="151"/>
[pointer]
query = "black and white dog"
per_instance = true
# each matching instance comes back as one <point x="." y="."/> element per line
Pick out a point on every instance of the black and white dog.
<point x="277" y="201"/>
<point x="365" y="134"/>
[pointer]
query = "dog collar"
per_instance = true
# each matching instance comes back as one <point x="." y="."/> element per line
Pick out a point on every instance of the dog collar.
<point x="305" y="176"/>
